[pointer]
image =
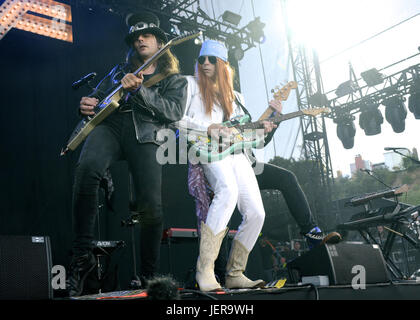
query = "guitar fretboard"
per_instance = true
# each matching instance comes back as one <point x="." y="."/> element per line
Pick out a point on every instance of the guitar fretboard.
<point x="277" y="119"/>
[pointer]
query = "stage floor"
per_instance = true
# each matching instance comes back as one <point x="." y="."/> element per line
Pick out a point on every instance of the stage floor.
<point x="404" y="290"/>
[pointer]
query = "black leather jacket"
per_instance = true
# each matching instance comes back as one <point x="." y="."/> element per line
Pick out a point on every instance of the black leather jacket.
<point x="153" y="108"/>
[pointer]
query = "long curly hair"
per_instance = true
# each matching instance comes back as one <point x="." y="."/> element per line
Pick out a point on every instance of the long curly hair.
<point x="219" y="88"/>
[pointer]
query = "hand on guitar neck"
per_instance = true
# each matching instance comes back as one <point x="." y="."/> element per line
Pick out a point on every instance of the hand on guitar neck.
<point x="132" y="82"/>
<point x="276" y="106"/>
<point x="220" y="130"/>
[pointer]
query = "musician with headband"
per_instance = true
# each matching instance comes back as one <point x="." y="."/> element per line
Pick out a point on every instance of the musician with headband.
<point x="211" y="101"/>
<point x="213" y="76"/>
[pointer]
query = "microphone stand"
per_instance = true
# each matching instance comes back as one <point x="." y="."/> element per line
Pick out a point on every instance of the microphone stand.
<point x="369" y="172"/>
<point x="411" y="158"/>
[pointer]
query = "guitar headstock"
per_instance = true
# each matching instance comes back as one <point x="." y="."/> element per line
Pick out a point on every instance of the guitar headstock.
<point x="283" y="93"/>
<point x="316" y="111"/>
<point x="183" y="38"/>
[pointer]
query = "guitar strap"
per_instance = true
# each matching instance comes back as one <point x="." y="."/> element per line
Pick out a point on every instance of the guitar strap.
<point x="238" y="102"/>
<point x="156" y="78"/>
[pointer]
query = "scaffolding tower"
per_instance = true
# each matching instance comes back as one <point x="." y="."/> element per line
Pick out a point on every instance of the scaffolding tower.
<point x="310" y="94"/>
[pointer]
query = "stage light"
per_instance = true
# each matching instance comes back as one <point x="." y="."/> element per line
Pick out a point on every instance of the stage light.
<point x="318" y="100"/>
<point x="372" y="77"/>
<point x="230" y="17"/>
<point x="237" y="53"/>
<point x="395" y="113"/>
<point x="414" y="104"/>
<point x="256" y="30"/>
<point x="371" y="118"/>
<point x="414" y="99"/>
<point x="346" y="130"/>
<point x="345" y="88"/>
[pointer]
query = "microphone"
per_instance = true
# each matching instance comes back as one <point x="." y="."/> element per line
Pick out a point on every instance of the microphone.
<point x="76" y="85"/>
<point x="391" y="148"/>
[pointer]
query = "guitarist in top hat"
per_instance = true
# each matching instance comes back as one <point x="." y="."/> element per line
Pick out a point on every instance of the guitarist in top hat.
<point x="157" y="97"/>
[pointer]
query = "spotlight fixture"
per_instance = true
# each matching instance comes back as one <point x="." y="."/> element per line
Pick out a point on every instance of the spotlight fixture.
<point x="371" y="118"/>
<point x="318" y="100"/>
<point x="345" y="88"/>
<point x="346" y="130"/>
<point x="256" y="29"/>
<point x="237" y="53"/>
<point x="414" y="104"/>
<point x="372" y="77"/>
<point x="414" y="99"/>
<point x="232" y="18"/>
<point x="395" y="113"/>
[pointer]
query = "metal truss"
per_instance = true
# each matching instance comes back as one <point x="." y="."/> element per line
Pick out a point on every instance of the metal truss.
<point x="181" y="16"/>
<point x="315" y="147"/>
<point x="399" y="83"/>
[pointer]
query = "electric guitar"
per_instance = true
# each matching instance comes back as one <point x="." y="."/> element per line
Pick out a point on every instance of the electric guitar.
<point x="108" y="105"/>
<point x="279" y="94"/>
<point x="243" y="135"/>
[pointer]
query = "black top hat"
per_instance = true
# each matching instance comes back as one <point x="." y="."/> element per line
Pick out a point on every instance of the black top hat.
<point x="141" y="23"/>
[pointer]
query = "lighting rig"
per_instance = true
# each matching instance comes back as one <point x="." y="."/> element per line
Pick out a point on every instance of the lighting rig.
<point x="380" y="90"/>
<point x="183" y="16"/>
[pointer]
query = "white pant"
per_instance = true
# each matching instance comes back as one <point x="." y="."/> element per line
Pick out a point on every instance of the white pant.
<point x="233" y="182"/>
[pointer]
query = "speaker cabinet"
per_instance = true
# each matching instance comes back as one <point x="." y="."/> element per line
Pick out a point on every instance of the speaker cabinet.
<point x="179" y="258"/>
<point x="341" y="263"/>
<point x="25" y="267"/>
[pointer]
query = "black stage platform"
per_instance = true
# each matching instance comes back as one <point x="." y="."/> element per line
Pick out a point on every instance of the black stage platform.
<point x="406" y="290"/>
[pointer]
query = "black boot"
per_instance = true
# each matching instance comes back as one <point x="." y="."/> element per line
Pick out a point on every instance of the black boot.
<point x="150" y="238"/>
<point x="80" y="267"/>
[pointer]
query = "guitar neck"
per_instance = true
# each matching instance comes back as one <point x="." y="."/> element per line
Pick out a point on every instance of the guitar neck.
<point x="157" y="55"/>
<point x="267" y="113"/>
<point x="154" y="58"/>
<point x="145" y="65"/>
<point x="277" y="119"/>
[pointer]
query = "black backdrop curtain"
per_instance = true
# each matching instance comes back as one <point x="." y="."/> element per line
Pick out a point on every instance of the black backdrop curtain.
<point x="39" y="111"/>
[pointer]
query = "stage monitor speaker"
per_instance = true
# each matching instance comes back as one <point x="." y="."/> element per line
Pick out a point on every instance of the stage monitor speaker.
<point x="341" y="263"/>
<point x="25" y="268"/>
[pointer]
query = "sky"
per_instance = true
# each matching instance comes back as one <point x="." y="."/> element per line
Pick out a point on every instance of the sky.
<point x="330" y="27"/>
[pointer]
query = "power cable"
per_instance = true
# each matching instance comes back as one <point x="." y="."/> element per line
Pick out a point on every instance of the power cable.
<point x="370" y="38"/>
<point x="265" y="77"/>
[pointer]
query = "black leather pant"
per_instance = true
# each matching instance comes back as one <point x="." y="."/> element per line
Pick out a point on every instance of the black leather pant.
<point x="277" y="178"/>
<point x="115" y="139"/>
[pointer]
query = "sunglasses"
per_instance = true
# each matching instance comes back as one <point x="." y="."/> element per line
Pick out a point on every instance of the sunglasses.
<point x="202" y="59"/>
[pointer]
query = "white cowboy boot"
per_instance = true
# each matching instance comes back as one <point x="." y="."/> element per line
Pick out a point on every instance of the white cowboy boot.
<point x="208" y="252"/>
<point x="236" y="266"/>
